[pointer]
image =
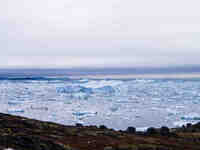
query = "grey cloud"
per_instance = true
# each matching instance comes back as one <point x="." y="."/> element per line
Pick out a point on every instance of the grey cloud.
<point x="101" y="33"/>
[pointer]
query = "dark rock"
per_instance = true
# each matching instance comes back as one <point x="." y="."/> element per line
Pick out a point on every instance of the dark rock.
<point x="164" y="131"/>
<point x="189" y="125"/>
<point x="79" y="125"/>
<point x="131" y="130"/>
<point x="92" y="126"/>
<point x="151" y="131"/>
<point x="102" y="127"/>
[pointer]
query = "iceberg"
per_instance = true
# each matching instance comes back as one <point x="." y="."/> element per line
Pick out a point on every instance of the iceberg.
<point x="73" y="89"/>
<point x="83" y="92"/>
<point x="114" y="108"/>
<point x="80" y="95"/>
<point x="106" y="90"/>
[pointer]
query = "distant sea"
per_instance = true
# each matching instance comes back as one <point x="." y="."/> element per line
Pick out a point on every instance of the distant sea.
<point x="100" y="71"/>
<point x="115" y="97"/>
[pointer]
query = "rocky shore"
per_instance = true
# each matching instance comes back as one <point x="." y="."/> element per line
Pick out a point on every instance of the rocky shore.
<point x="19" y="133"/>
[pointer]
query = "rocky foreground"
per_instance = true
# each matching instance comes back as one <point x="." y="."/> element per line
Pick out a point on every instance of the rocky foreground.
<point x="18" y="133"/>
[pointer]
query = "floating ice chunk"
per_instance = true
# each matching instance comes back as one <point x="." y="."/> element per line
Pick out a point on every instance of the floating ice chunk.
<point x="78" y="113"/>
<point x="80" y="95"/>
<point x="83" y="80"/>
<point x="80" y="121"/>
<point x="114" y="108"/>
<point x="13" y="102"/>
<point x="39" y="108"/>
<point x="68" y="89"/>
<point x="179" y="107"/>
<point x="144" y="81"/>
<point x="155" y="108"/>
<point x="191" y="116"/>
<point x="84" y="113"/>
<point x="73" y="89"/>
<point x="60" y="90"/>
<point x="82" y="92"/>
<point x="86" y="90"/>
<point x="77" y="92"/>
<point x="51" y="99"/>
<point x="142" y="129"/>
<point x="102" y="83"/>
<point x="180" y="123"/>
<point x="15" y="110"/>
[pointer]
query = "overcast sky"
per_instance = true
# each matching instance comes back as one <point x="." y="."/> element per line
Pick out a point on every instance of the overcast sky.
<point x="99" y="33"/>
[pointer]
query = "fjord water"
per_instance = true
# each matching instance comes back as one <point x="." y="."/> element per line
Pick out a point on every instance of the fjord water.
<point x="53" y="95"/>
